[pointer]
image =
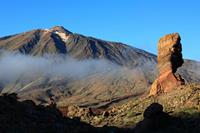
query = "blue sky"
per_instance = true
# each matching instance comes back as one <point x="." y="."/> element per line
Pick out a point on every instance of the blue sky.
<point x="139" y="23"/>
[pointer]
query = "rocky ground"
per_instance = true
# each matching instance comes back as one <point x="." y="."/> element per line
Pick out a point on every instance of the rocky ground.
<point x="175" y="112"/>
<point x="26" y="117"/>
<point x="182" y="108"/>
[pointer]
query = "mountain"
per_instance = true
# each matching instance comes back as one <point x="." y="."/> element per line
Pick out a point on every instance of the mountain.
<point x="136" y="69"/>
<point x="58" y="40"/>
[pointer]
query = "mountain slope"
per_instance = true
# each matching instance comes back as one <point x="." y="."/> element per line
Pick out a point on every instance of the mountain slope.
<point x="58" y="40"/>
<point x="137" y="69"/>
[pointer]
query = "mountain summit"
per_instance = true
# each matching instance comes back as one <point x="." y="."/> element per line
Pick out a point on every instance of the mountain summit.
<point x="58" y="40"/>
<point x="60" y="29"/>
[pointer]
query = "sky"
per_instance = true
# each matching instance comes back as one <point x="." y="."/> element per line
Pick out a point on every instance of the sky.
<point x="139" y="23"/>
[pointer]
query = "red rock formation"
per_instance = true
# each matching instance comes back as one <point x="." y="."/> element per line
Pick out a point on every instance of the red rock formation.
<point x="169" y="59"/>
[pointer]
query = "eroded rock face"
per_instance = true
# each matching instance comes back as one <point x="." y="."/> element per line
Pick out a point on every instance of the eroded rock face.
<point x="169" y="60"/>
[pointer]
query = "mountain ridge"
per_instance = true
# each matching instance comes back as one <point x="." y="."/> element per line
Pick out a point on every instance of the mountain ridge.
<point x="116" y="52"/>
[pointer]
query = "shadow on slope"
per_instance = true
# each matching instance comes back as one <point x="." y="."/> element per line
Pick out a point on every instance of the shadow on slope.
<point x="157" y="121"/>
<point x="26" y="117"/>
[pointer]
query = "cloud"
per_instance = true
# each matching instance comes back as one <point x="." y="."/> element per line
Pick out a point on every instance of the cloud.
<point x="16" y="67"/>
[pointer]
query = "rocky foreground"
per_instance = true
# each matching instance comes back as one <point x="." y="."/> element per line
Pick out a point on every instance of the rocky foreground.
<point x="181" y="107"/>
<point x="175" y="112"/>
<point x="26" y="117"/>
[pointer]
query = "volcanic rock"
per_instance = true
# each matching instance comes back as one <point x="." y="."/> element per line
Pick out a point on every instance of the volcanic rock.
<point x="169" y="60"/>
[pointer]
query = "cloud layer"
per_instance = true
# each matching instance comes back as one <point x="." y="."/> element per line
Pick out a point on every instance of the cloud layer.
<point x="16" y="66"/>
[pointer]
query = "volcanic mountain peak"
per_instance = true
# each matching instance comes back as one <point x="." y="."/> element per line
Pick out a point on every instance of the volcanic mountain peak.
<point x="60" y="29"/>
<point x="58" y="40"/>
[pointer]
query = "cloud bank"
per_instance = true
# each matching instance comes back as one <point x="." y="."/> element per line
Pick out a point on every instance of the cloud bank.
<point x="16" y="66"/>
